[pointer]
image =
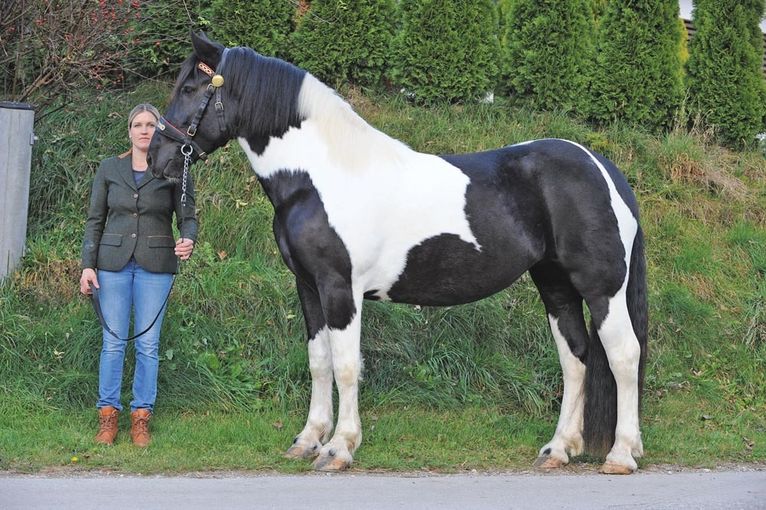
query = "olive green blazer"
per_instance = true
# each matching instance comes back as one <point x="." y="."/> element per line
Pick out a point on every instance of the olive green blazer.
<point x="125" y="219"/>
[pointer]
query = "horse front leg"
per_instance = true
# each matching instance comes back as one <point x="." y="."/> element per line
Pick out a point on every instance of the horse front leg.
<point x="307" y="444"/>
<point x="338" y="454"/>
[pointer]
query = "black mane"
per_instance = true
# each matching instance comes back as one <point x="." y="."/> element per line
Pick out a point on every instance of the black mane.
<point x="267" y="90"/>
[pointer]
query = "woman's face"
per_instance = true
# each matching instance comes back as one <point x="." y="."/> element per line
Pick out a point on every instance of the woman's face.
<point x="141" y="130"/>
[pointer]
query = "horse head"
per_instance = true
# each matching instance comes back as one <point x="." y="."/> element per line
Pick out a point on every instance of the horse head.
<point x="201" y="113"/>
<point x="223" y="93"/>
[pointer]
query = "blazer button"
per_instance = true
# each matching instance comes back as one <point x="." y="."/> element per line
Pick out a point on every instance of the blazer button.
<point x="135" y="195"/>
<point x="135" y="214"/>
<point x="133" y="235"/>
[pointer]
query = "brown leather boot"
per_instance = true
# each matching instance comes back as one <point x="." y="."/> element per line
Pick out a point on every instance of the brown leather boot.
<point x="139" y="427"/>
<point x="107" y="425"/>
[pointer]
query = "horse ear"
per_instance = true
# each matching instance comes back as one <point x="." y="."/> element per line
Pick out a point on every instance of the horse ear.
<point x="206" y="50"/>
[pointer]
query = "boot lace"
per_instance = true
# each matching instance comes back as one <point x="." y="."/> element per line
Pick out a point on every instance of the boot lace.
<point x="107" y="421"/>
<point x="141" y="425"/>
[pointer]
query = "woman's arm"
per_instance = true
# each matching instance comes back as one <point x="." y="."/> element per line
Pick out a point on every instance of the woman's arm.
<point x="186" y="219"/>
<point x="94" y="227"/>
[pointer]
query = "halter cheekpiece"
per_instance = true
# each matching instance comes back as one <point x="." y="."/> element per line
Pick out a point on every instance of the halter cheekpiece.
<point x="186" y="139"/>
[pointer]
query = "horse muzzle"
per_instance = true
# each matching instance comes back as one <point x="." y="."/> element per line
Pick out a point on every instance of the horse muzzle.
<point x="164" y="159"/>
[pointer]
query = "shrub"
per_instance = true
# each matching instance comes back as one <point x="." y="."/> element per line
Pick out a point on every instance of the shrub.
<point x="726" y="85"/>
<point x="264" y="26"/>
<point x="345" y="40"/>
<point x="598" y="7"/>
<point x="52" y="48"/>
<point x="638" y="74"/>
<point x="162" y="41"/>
<point x="503" y="8"/>
<point x="549" y="48"/>
<point x="445" y="50"/>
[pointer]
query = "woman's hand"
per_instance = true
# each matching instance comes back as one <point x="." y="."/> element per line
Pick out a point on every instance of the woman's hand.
<point x="88" y="277"/>
<point x="184" y="248"/>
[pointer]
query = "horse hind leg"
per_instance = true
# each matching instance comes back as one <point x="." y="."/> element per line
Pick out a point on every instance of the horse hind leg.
<point x="565" y="315"/>
<point x="623" y="352"/>
<point x="318" y="428"/>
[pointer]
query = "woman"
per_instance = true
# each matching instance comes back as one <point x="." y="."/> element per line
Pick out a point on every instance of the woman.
<point x="129" y="254"/>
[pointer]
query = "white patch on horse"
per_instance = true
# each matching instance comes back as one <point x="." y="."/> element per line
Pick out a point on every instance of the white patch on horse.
<point x="620" y="342"/>
<point x="381" y="197"/>
<point x="320" y="364"/>
<point x="568" y="436"/>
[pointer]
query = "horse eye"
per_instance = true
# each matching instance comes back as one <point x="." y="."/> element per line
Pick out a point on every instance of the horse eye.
<point x="187" y="89"/>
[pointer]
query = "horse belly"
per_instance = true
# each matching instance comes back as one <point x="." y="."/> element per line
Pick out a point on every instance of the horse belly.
<point x="445" y="270"/>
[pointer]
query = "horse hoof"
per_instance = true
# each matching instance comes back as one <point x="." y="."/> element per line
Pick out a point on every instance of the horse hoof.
<point x="301" y="452"/>
<point x="331" y="463"/>
<point x="610" y="468"/>
<point x="548" y="462"/>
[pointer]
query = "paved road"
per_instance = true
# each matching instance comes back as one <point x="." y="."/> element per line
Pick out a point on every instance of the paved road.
<point x="696" y="490"/>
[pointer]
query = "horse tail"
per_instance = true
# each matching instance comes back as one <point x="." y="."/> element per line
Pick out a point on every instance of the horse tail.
<point x="600" y="418"/>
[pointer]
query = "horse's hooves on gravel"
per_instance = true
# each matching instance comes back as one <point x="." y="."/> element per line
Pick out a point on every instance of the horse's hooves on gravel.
<point x="301" y="452"/>
<point x="547" y="462"/>
<point x="331" y="464"/>
<point x="610" y="468"/>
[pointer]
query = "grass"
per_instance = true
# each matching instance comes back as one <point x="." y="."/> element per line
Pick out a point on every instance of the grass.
<point x="406" y="438"/>
<point x="216" y="440"/>
<point x="470" y="387"/>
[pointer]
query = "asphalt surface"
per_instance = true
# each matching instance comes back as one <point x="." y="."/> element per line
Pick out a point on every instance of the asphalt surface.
<point x="656" y="490"/>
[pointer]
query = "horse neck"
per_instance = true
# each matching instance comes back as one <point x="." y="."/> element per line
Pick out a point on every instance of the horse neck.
<point x="349" y="142"/>
<point x="331" y="139"/>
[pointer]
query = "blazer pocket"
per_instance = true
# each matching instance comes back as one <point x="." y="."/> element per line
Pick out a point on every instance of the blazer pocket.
<point x="111" y="239"/>
<point x="160" y="242"/>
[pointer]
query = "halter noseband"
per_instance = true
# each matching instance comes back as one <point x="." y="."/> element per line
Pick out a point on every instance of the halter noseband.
<point x="188" y="145"/>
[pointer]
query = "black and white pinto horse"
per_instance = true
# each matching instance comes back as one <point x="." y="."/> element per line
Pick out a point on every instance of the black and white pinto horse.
<point x="359" y="215"/>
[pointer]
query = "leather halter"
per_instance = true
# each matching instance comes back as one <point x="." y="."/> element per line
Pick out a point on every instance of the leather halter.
<point x="186" y="139"/>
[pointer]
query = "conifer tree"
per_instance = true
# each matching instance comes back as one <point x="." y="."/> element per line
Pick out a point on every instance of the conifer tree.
<point x="726" y="84"/>
<point x="446" y="50"/>
<point x="162" y="34"/>
<point x="345" y="40"/>
<point x="549" y="47"/>
<point x="638" y="76"/>
<point x="264" y="25"/>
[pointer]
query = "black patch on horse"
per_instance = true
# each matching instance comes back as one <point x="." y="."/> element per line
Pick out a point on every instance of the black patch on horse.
<point x="311" y="248"/>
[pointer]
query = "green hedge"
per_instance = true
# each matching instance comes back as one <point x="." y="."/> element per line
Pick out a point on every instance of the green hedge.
<point x="345" y="40"/>
<point x="162" y="35"/>
<point x="265" y="25"/>
<point x="446" y="50"/>
<point x="549" y="49"/>
<point x="638" y="77"/>
<point x="726" y="85"/>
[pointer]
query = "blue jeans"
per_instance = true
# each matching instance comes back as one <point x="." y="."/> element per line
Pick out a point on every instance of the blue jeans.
<point x="144" y="292"/>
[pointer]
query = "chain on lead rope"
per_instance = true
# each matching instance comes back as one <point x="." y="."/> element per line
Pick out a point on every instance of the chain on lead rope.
<point x="187" y="162"/>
